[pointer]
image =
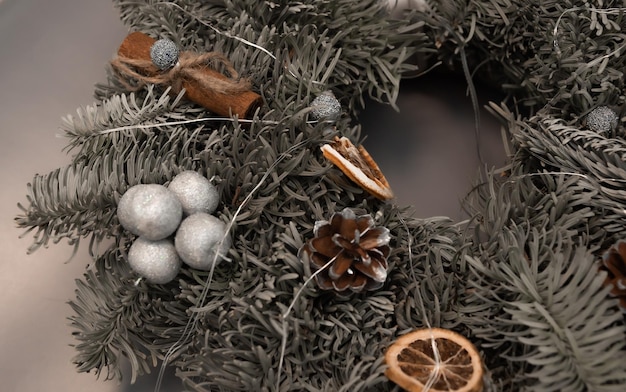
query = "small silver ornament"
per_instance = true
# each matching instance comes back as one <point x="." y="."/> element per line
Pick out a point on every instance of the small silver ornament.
<point x="157" y="261"/>
<point x="195" y="192"/>
<point x="325" y="107"/>
<point x="164" y="54"/>
<point x="198" y="238"/>
<point x="150" y="210"/>
<point x="602" y="119"/>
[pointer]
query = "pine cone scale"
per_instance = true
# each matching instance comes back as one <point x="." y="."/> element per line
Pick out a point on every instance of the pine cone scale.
<point x="340" y="266"/>
<point x="375" y="238"/>
<point x="325" y="246"/>
<point x="375" y="270"/>
<point x="348" y="227"/>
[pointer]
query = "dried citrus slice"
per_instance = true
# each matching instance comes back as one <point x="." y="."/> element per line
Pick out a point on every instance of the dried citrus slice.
<point x="434" y="360"/>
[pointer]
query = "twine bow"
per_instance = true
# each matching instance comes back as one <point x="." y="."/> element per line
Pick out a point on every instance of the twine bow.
<point x="191" y="67"/>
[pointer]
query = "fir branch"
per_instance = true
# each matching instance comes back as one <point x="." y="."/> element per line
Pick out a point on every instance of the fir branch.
<point x="80" y="200"/>
<point x="158" y="19"/>
<point x="374" y="49"/>
<point x="595" y="162"/>
<point x="530" y="268"/>
<point x="553" y="312"/>
<point x="116" y="316"/>
<point x="549" y="56"/>
<point x="527" y="259"/>
<point x="241" y="320"/>
<point x="117" y="112"/>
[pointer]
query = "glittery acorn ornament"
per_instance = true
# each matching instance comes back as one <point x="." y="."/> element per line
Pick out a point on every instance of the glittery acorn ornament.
<point x="164" y="54"/>
<point x="198" y="238"/>
<point x="325" y="107"/>
<point x="195" y="192"/>
<point x="157" y="261"/>
<point x="150" y="211"/>
<point x="602" y="119"/>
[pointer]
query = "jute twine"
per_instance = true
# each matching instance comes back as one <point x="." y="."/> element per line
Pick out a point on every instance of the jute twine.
<point x="191" y="67"/>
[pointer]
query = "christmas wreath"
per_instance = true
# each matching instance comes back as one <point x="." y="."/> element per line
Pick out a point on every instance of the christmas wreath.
<point x="253" y="244"/>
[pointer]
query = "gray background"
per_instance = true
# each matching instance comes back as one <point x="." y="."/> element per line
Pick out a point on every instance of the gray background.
<point x="51" y="54"/>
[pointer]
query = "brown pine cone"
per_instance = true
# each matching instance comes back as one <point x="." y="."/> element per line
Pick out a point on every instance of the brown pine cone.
<point x="614" y="262"/>
<point x="350" y="251"/>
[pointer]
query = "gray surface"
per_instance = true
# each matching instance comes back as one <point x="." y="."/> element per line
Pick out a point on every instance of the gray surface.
<point x="52" y="52"/>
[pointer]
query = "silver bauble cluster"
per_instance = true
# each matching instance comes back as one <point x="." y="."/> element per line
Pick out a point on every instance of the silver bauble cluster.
<point x="154" y="213"/>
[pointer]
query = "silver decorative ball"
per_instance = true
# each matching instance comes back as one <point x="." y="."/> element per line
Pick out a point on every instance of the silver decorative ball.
<point x="325" y="107"/>
<point x="198" y="238"/>
<point x="602" y="119"/>
<point x="164" y="54"/>
<point x="150" y="211"/>
<point x="195" y="192"/>
<point x="157" y="261"/>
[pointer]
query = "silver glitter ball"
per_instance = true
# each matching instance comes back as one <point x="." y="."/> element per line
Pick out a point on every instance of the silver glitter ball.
<point x="164" y="54"/>
<point x="325" y="107"/>
<point x="195" y="192"/>
<point x="602" y="119"/>
<point x="150" y="210"/>
<point x="198" y="238"/>
<point x="157" y="261"/>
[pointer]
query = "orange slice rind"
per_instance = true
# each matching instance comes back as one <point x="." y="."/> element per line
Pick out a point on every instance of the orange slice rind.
<point x="435" y="360"/>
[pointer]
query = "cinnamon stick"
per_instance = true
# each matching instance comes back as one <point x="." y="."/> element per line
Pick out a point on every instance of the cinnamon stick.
<point x="136" y="46"/>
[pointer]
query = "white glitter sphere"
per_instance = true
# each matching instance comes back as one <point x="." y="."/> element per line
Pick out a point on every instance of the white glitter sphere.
<point x="164" y="54"/>
<point x="150" y="210"/>
<point x="325" y="107"/>
<point x="195" y="192"/>
<point x="198" y="238"/>
<point x="157" y="261"/>
<point x="602" y="119"/>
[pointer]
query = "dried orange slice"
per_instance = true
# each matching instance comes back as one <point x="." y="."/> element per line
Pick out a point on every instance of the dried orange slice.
<point x="434" y="360"/>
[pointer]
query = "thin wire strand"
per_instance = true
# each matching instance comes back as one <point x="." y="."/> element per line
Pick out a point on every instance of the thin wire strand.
<point x="283" y="344"/>
<point x="606" y="11"/>
<point x="432" y="377"/>
<point x="242" y="40"/>
<point x="183" y="122"/>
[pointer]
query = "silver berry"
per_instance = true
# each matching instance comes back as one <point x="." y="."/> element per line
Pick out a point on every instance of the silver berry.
<point x="157" y="261"/>
<point x="325" y="107"/>
<point x="202" y="240"/>
<point x="195" y="192"/>
<point x="150" y="210"/>
<point x="164" y="54"/>
<point x="602" y="119"/>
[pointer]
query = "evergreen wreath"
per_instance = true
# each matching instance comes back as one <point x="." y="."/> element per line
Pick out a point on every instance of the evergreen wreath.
<point x="521" y="278"/>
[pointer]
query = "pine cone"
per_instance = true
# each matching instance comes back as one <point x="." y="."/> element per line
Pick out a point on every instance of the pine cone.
<point x="350" y="251"/>
<point x="614" y="262"/>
